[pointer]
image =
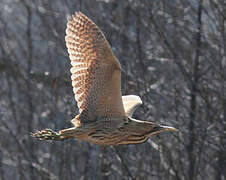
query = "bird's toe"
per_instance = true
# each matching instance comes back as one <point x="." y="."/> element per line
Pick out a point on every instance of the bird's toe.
<point x="46" y="134"/>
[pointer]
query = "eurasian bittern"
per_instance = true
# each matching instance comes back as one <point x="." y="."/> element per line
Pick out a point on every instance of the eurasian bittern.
<point x="105" y="116"/>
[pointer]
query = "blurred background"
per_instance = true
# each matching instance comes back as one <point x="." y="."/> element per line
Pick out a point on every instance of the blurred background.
<point x="173" y="55"/>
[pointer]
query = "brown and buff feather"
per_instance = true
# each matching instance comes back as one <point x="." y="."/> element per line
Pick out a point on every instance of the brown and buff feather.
<point x="96" y="72"/>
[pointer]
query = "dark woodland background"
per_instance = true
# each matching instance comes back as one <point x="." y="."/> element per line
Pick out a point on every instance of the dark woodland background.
<point x="173" y="55"/>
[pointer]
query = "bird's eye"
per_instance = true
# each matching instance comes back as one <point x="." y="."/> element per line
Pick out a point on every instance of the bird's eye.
<point x="157" y="128"/>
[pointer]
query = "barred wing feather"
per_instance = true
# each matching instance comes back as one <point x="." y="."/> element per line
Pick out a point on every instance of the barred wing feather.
<point x="96" y="72"/>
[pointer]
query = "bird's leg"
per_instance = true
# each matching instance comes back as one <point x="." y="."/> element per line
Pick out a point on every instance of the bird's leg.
<point x="48" y="134"/>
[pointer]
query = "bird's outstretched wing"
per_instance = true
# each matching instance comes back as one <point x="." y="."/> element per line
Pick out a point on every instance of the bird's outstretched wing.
<point x="96" y="72"/>
<point x="130" y="103"/>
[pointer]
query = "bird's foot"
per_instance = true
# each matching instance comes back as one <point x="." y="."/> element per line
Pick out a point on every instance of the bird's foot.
<point x="47" y="134"/>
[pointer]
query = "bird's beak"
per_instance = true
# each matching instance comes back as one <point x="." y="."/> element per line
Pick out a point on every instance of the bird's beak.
<point x="168" y="128"/>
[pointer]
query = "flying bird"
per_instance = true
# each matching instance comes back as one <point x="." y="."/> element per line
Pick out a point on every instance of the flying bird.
<point x="105" y="116"/>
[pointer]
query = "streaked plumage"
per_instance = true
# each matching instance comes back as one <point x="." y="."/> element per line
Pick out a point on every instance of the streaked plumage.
<point x="105" y="116"/>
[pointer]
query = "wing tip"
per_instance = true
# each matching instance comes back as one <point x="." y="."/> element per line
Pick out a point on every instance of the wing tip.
<point x="133" y="97"/>
<point x="77" y="14"/>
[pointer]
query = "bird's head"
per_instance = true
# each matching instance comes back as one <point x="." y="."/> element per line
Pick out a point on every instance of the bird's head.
<point x="140" y="131"/>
